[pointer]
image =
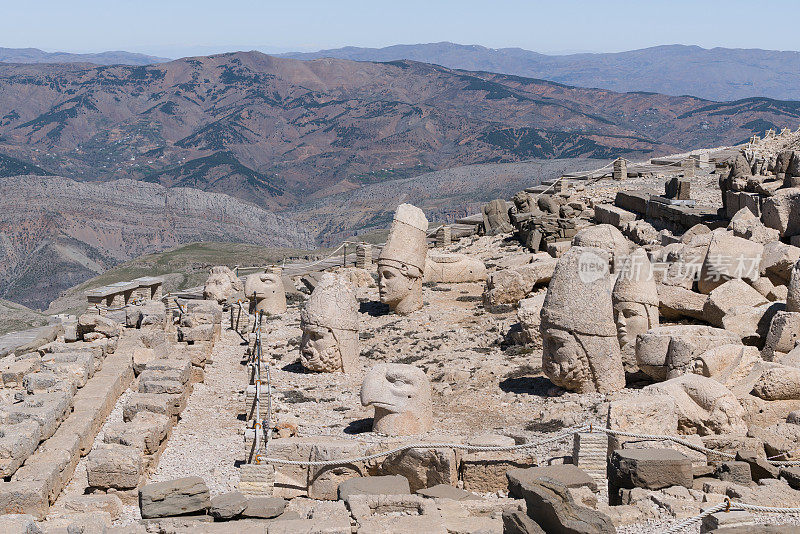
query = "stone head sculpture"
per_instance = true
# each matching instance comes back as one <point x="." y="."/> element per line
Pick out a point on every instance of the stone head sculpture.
<point x="580" y="351"/>
<point x="266" y="293"/>
<point x="402" y="261"/>
<point x="221" y="284"/>
<point x="330" y="327"/>
<point x="606" y="237"/>
<point x="401" y="395"/>
<point x="524" y="202"/>
<point x="635" y="300"/>
<point x="495" y="218"/>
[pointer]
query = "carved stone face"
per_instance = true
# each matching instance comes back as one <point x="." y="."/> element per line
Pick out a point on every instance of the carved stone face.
<point x="564" y="362"/>
<point x="319" y="350"/>
<point x="393" y="284"/>
<point x="266" y="290"/>
<point x="632" y="320"/>
<point x="218" y="287"/>
<point x="401" y="395"/>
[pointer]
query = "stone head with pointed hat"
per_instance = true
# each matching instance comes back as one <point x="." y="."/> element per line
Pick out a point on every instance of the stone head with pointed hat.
<point x="401" y="263"/>
<point x="580" y="351"/>
<point x="635" y="300"/>
<point x="265" y="291"/>
<point x="330" y="327"/>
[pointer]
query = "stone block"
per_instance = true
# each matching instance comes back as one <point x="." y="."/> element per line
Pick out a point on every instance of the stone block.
<point x="227" y="506"/>
<point x="724" y="520"/>
<point x="110" y="504"/>
<point x="24" y="497"/>
<point x="378" y="485"/>
<point x="782" y="335"/>
<point x="423" y="468"/>
<point x="647" y="468"/>
<point x="17" y="443"/>
<point x="550" y="504"/>
<point x="729" y="295"/>
<point x="676" y="302"/>
<point x="733" y="471"/>
<point x="256" y="480"/>
<point x="47" y="409"/>
<point x="760" y="468"/>
<point x="486" y="471"/>
<point x="323" y="481"/>
<point x="114" y="466"/>
<point x="174" y="497"/>
<point x="567" y="474"/>
<point x="145" y="432"/>
<point x="518" y="522"/>
<point x="610" y="214"/>
<point x="264" y="507"/>
<point x="170" y="405"/>
<point x="729" y="257"/>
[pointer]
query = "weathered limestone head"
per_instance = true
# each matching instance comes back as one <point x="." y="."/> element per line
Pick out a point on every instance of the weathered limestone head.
<point x="495" y="218"/>
<point x="401" y="395"/>
<point x="266" y="293"/>
<point x="330" y="327"/>
<point x="580" y="351"/>
<point x="402" y="260"/>
<point x="705" y="407"/>
<point x="221" y="284"/>
<point x="524" y="202"/>
<point x="635" y="300"/>
<point x="666" y="352"/>
<point x="606" y="237"/>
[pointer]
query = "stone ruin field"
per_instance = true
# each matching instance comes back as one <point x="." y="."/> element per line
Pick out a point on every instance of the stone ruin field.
<point x="612" y="352"/>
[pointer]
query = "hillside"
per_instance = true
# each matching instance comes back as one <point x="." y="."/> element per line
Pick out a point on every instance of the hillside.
<point x="118" y="57"/>
<point x="716" y="74"/>
<point x="56" y="233"/>
<point x="182" y="267"/>
<point x="274" y="131"/>
<point x="14" y="317"/>
<point x="444" y="195"/>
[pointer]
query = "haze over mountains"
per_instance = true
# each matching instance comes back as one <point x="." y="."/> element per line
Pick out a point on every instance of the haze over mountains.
<point x="715" y="74"/>
<point x="275" y="131"/>
<point x="118" y="57"/>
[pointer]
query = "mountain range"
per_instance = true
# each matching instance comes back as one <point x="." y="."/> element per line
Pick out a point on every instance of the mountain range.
<point x="117" y="57"/>
<point x="715" y="74"/>
<point x="275" y="132"/>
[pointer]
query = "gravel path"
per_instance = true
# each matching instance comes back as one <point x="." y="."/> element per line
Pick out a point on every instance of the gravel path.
<point x="207" y="442"/>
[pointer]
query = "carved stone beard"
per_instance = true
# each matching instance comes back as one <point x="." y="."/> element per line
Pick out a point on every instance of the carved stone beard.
<point x="326" y="361"/>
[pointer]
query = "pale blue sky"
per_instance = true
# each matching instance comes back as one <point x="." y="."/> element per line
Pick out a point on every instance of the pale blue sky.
<point x="176" y="28"/>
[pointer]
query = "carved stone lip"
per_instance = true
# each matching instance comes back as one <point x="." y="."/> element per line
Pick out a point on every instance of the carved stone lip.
<point x="384" y="405"/>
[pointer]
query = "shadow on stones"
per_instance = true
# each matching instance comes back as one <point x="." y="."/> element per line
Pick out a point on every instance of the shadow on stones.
<point x="530" y="385"/>
<point x="374" y="309"/>
<point x="294" y="367"/>
<point x="359" y="426"/>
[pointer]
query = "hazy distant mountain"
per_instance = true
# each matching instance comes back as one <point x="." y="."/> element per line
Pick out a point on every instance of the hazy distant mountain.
<point x="716" y="74"/>
<point x="34" y="55"/>
<point x="276" y="131"/>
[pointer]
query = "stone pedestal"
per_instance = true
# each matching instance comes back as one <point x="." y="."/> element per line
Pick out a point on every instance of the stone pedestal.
<point x="256" y="480"/>
<point x="364" y="256"/>
<point x="620" y="169"/>
<point x="688" y="166"/>
<point x="444" y="236"/>
<point x="589" y="450"/>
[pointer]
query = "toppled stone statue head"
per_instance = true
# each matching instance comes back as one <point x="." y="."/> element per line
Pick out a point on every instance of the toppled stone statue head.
<point x="635" y="300"/>
<point x="221" y="284"/>
<point x="266" y="293"/>
<point x="401" y="395"/>
<point x="330" y="327"/>
<point x="580" y="351"/>
<point x="606" y="237"/>
<point x="402" y="260"/>
<point x="495" y="218"/>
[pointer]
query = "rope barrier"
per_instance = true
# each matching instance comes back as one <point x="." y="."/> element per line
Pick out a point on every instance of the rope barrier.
<point x="728" y="506"/>
<point x="422" y="446"/>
